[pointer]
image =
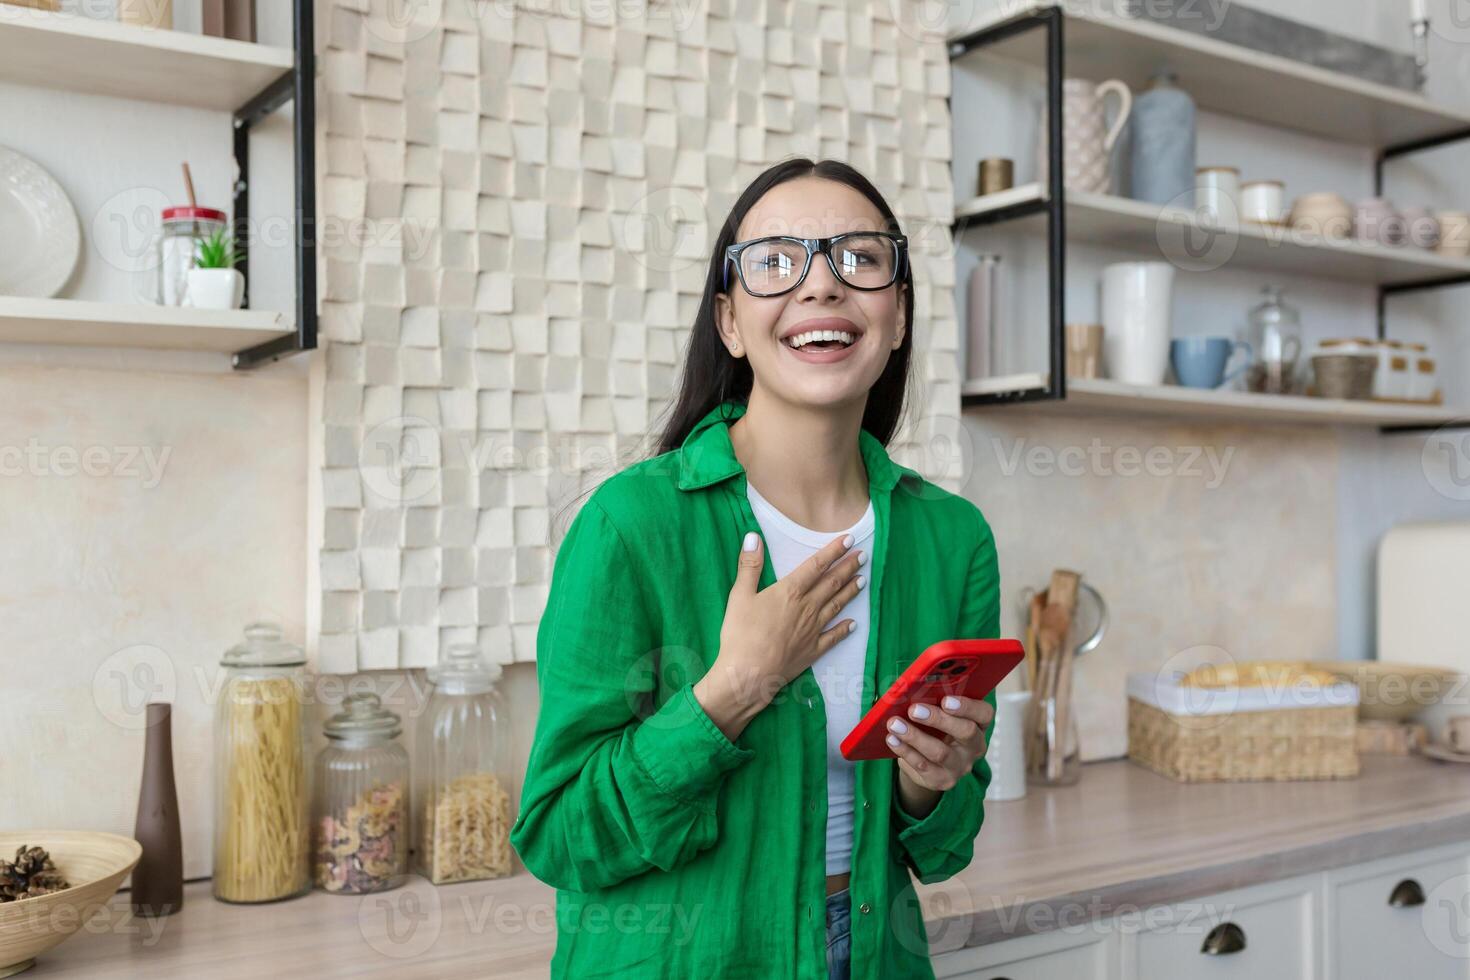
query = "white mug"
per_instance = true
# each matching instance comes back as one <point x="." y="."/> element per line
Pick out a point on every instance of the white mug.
<point x="1136" y="302"/>
<point x="1216" y="191"/>
<point x="1263" y="200"/>
<point x="1006" y="752"/>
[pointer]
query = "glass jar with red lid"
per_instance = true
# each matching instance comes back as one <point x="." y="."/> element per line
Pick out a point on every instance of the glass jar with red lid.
<point x="184" y="227"/>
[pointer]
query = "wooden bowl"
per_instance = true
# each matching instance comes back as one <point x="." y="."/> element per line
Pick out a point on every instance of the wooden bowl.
<point x="95" y="864"/>
<point x="1391" y="691"/>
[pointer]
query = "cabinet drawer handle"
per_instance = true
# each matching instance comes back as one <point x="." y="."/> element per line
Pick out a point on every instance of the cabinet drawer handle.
<point x="1406" y="894"/>
<point x="1225" y="938"/>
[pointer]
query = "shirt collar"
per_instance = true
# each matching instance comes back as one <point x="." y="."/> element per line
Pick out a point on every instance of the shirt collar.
<point x="706" y="456"/>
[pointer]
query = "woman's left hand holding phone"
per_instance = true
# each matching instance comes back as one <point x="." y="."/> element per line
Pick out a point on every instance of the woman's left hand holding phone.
<point x="929" y="765"/>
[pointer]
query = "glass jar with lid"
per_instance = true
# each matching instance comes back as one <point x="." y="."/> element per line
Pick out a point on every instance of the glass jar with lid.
<point x="184" y="228"/>
<point x="261" y="833"/>
<point x="360" y="832"/>
<point x="461" y="807"/>
<point x="1275" y="336"/>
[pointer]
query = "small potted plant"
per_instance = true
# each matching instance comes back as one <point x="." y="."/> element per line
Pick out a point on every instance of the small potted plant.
<point x="214" y="283"/>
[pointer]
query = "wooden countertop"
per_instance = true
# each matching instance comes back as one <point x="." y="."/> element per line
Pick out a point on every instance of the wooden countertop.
<point x="1122" y="837"/>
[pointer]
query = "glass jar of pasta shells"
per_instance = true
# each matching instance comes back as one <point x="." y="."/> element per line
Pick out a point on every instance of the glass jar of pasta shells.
<point x="461" y="807"/>
<point x="261" y="791"/>
<point x="360" y="820"/>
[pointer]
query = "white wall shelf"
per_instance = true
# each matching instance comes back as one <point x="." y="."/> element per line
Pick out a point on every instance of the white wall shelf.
<point x="79" y="54"/>
<point x="1106" y="219"/>
<point x="1231" y="79"/>
<point x="1099" y="396"/>
<point x="80" y="323"/>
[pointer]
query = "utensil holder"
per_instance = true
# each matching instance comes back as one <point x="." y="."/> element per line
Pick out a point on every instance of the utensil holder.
<point x="1053" y="756"/>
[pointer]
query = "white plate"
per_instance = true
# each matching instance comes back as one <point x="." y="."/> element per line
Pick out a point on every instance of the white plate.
<point x="40" y="239"/>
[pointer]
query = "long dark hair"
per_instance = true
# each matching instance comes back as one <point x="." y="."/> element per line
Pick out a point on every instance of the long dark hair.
<point x="712" y="376"/>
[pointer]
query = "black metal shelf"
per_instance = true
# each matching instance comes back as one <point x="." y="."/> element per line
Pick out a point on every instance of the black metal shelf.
<point x="298" y="87"/>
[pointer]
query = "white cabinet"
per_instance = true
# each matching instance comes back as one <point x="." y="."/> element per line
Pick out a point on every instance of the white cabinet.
<point x="1405" y="916"/>
<point x="1265" y="932"/>
<point x="1088" y="952"/>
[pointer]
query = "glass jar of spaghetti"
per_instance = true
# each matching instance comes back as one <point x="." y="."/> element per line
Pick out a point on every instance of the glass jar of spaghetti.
<point x="462" y="811"/>
<point x="360" y="829"/>
<point x="261" y="792"/>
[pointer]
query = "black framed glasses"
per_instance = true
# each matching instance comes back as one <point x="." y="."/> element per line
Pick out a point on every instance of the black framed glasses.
<point x="779" y="263"/>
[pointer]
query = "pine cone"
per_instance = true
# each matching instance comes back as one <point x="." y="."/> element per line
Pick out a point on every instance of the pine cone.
<point x="31" y="875"/>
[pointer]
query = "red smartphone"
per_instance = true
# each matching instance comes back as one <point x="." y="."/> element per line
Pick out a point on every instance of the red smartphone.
<point x="968" y="668"/>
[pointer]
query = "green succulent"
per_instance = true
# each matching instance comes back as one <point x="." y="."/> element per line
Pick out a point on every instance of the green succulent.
<point x="216" y="252"/>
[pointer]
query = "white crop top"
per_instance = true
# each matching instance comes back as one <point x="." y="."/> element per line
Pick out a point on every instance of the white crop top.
<point x="839" y="671"/>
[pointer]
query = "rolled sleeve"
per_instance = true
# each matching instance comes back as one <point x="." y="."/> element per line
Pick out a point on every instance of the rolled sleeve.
<point x="684" y="752"/>
<point x="614" y="786"/>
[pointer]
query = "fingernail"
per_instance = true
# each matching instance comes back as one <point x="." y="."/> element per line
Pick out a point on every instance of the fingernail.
<point x="852" y="626"/>
<point x="860" y="581"/>
<point x="893" y="741"/>
<point x="898" y="726"/>
<point x="751" y="540"/>
<point x="862" y="558"/>
<point x="847" y="541"/>
<point x="920" y="711"/>
<point x="953" y="704"/>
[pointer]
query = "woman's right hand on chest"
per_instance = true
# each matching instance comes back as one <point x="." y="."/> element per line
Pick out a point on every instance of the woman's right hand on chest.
<point x="769" y="636"/>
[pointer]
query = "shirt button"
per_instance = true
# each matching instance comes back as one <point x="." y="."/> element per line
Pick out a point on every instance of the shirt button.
<point x="867" y="804"/>
<point x="865" y="908"/>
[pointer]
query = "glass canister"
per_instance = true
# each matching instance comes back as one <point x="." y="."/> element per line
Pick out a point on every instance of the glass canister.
<point x="261" y="833"/>
<point x="461" y="805"/>
<point x="183" y="229"/>
<point x="1275" y="336"/>
<point x="361" y="812"/>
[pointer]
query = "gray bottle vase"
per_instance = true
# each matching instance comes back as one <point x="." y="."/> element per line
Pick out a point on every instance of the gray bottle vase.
<point x="1162" y="147"/>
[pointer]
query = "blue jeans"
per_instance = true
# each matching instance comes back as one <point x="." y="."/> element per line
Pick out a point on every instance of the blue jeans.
<point x="839" y="935"/>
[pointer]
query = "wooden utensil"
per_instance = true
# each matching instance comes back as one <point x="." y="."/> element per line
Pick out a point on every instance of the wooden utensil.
<point x="1056" y="624"/>
<point x="1037" y="604"/>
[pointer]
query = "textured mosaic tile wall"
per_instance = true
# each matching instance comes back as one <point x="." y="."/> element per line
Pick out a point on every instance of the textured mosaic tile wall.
<point x="518" y="202"/>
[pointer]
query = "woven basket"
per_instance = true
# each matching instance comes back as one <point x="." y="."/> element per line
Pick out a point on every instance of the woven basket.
<point x="1280" y="744"/>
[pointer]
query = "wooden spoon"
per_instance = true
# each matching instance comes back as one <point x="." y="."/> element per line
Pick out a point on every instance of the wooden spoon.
<point x="1056" y="624"/>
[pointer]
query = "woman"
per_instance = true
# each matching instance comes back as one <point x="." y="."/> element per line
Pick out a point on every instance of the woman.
<point x="684" y="793"/>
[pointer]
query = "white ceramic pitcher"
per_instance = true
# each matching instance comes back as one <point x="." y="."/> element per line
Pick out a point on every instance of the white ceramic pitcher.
<point x="1087" y="141"/>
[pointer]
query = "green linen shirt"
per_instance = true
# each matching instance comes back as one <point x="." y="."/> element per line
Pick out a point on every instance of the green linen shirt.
<point x="675" y="852"/>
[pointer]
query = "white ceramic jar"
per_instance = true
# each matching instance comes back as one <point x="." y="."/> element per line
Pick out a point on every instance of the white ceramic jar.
<point x="1217" y="193"/>
<point x="1263" y="201"/>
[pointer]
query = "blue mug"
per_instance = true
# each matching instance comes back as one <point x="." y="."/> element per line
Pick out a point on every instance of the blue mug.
<point x="1199" y="362"/>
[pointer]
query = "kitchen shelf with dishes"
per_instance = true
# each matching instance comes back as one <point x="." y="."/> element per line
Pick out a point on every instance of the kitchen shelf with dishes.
<point x="69" y="52"/>
<point x="1108" y="219"/>
<point x="1099" y="396"/>
<point x="1200" y="219"/>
